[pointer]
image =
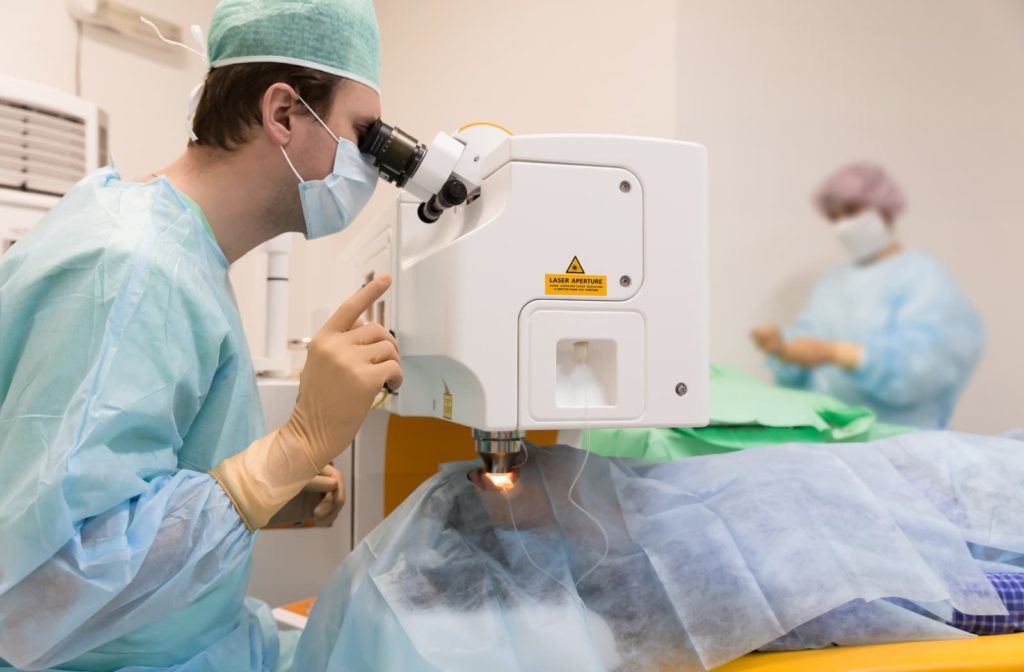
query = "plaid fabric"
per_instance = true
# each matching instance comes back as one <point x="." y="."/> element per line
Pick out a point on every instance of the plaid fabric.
<point x="1011" y="589"/>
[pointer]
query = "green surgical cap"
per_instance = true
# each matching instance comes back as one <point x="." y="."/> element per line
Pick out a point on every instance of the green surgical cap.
<point x="339" y="37"/>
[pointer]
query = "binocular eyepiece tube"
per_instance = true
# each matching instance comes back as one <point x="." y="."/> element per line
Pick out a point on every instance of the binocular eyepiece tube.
<point x="396" y="154"/>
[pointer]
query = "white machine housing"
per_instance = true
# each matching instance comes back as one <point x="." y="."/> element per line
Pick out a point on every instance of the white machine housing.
<point x="49" y="140"/>
<point x="485" y="343"/>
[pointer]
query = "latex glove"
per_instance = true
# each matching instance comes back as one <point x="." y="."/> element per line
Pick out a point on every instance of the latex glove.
<point x="847" y="355"/>
<point x="347" y="366"/>
<point x="808" y="353"/>
<point x="768" y="339"/>
<point x="320" y="501"/>
<point x="811" y="353"/>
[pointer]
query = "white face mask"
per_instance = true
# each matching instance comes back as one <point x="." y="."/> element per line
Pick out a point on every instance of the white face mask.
<point x="329" y="205"/>
<point x="864" y="235"/>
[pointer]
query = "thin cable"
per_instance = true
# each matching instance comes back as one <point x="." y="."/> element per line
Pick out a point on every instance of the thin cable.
<point x="197" y="90"/>
<point x="604" y="533"/>
<point x="526" y="459"/>
<point x="78" y="59"/>
<point x="381" y="397"/>
<point x="519" y="537"/>
<point x="575" y="481"/>
<point x="174" y="42"/>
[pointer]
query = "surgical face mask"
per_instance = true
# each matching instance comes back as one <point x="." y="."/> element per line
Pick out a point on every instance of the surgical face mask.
<point x="864" y="235"/>
<point x="329" y="205"/>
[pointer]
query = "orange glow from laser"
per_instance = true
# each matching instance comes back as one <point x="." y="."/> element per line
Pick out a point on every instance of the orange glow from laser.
<point x="502" y="482"/>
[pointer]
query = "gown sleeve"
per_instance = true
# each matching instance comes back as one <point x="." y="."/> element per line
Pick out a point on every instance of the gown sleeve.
<point x="106" y="357"/>
<point x="929" y="346"/>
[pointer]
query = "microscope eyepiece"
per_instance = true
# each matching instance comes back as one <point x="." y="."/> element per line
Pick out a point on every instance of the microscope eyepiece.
<point x="396" y="154"/>
<point x="453" y="193"/>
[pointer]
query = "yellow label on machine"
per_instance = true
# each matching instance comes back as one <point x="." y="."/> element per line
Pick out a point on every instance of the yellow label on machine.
<point x="576" y="285"/>
<point x="446" y="410"/>
<point x="575" y="282"/>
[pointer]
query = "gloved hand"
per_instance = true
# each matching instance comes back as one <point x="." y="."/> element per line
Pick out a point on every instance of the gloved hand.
<point x="811" y="353"/>
<point x="808" y="353"/>
<point x="768" y="339"/>
<point x="348" y="364"/>
<point x="320" y="501"/>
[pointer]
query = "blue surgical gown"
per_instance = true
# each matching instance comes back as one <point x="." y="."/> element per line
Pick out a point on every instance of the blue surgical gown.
<point x="921" y="336"/>
<point x="124" y="377"/>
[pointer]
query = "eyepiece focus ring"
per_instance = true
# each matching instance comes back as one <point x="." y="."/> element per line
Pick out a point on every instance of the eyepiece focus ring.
<point x="395" y="153"/>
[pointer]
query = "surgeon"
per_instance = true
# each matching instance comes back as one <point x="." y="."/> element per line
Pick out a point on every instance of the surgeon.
<point x="134" y="466"/>
<point x="891" y="330"/>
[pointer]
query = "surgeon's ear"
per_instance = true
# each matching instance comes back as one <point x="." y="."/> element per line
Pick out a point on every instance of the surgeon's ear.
<point x="280" y="104"/>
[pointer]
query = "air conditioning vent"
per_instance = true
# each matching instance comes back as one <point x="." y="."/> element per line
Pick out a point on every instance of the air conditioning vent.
<point x="49" y="140"/>
<point x="41" y="151"/>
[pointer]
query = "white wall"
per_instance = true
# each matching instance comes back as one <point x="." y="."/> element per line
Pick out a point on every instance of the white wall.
<point x="784" y="91"/>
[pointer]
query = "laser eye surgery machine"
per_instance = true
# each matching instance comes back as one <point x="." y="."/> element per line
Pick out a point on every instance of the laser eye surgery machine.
<point x="544" y="282"/>
<point x="540" y="282"/>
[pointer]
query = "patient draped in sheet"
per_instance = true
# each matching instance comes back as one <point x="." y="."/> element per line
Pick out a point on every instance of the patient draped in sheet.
<point x="709" y="558"/>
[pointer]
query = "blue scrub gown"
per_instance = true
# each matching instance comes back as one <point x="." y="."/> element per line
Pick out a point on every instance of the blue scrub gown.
<point x="124" y="377"/>
<point x="922" y="339"/>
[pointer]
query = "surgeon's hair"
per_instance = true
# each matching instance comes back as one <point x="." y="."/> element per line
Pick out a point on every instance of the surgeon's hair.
<point x="229" y="107"/>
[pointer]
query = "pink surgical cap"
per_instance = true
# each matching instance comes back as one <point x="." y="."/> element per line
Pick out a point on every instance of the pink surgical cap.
<point x="863" y="184"/>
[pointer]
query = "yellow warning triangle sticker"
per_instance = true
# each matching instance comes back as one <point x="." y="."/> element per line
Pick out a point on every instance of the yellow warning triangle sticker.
<point x="575" y="266"/>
